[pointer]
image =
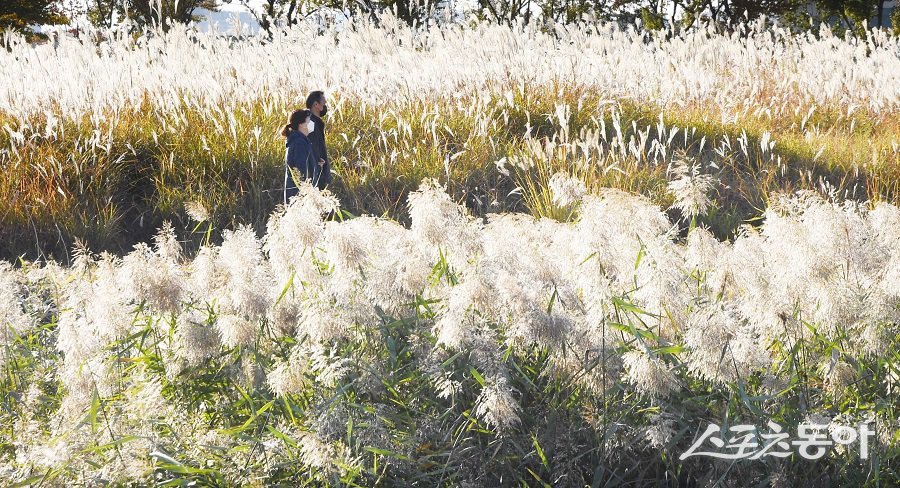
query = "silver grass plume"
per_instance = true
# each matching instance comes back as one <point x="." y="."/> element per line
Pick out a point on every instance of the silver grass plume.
<point x="691" y="188"/>
<point x="566" y="189"/>
<point x="496" y="405"/>
<point x="649" y="374"/>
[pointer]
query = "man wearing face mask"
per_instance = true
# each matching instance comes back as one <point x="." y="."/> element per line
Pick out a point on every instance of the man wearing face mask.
<point x="316" y="104"/>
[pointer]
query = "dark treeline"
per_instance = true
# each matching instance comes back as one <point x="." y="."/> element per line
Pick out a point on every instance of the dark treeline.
<point x="843" y="15"/>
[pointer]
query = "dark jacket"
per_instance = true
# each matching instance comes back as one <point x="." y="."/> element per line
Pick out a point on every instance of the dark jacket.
<point x="317" y="138"/>
<point x="299" y="155"/>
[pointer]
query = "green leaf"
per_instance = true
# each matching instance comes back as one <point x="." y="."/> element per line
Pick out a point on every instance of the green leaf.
<point x="627" y="306"/>
<point x="747" y="402"/>
<point x="117" y="442"/>
<point x="385" y="452"/>
<point x="170" y="464"/>
<point x="245" y="425"/>
<point x="287" y="287"/>
<point x="540" y="452"/>
<point x="349" y="429"/>
<point x="638" y="333"/>
<point x="165" y="458"/>
<point x="552" y="301"/>
<point x="281" y="435"/>
<point x="543" y="483"/>
<point x="450" y="360"/>
<point x="477" y="376"/>
<point x="92" y="412"/>
<point x="640" y="256"/>
<point x="33" y="481"/>
<point x="674" y="349"/>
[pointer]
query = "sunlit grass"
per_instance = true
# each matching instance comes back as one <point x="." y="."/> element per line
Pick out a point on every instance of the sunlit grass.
<point x="110" y="185"/>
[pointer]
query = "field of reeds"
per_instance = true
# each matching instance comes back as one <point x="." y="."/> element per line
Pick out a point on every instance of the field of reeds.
<point x="104" y="142"/>
<point x="551" y="256"/>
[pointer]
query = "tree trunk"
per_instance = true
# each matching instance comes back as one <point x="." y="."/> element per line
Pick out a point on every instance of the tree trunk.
<point x="290" y="13"/>
<point x="112" y="10"/>
<point x="270" y="9"/>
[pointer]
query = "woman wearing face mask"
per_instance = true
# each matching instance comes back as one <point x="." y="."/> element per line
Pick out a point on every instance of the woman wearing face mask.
<point x="300" y="162"/>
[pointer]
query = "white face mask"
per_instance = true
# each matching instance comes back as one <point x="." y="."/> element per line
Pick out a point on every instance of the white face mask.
<point x="311" y="126"/>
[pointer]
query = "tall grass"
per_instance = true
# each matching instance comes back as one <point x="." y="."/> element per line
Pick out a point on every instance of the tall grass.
<point x="581" y="254"/>
<point x="358" y="352"/>
<point x="110" y="186"/>
<point x="142" y="127"/>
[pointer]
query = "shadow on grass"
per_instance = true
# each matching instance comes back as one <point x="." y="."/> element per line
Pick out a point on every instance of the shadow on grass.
<point x="376" y="177"/>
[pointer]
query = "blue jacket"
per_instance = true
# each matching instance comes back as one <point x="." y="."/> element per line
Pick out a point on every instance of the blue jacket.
<point x="299" y="155"/>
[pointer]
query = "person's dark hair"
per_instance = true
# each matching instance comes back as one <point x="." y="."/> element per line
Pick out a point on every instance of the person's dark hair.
<point x="316" y="96"/>
<point x="297" y="117"/>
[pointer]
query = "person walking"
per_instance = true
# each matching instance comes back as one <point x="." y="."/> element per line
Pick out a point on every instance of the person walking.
<point x="299" y="158"/>
<point x="318" y="107"/>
